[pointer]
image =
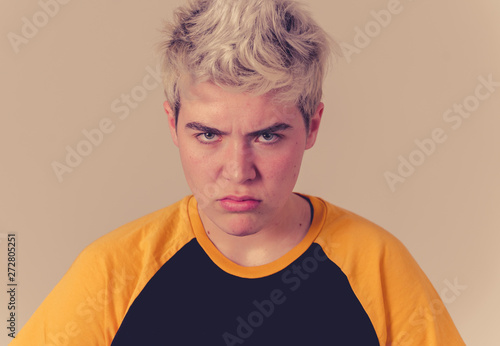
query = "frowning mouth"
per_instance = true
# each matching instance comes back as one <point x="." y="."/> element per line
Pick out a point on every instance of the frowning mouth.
<point x="239" y="203"/>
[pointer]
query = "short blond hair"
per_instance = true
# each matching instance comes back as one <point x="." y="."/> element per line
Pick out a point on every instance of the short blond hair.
<point x="255" y="46"/>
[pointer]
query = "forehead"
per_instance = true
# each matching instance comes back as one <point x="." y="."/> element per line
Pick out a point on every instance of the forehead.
<point x="206" y="99"/>
<point x="208" y="93"/>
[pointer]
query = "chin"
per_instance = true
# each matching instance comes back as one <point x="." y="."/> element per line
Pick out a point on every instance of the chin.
<point x="241" y="233"/>
<point x="240" y="228"/>
<point x="235" y="224"/>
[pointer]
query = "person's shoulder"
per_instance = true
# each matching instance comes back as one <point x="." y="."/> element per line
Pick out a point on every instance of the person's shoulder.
<point x="362" y="248"/>
<point x="341" y="223"/>
<point x="154" y="234"/>
<point x="345" y="232"/>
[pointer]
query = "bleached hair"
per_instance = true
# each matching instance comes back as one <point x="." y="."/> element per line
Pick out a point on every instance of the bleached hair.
<point x="254" y="46"/>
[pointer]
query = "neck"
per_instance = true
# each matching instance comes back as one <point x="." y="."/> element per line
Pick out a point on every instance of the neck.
<point x="270" y="243"/>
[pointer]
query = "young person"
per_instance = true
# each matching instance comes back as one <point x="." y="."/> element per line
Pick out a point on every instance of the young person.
<point x="245" y="260"/>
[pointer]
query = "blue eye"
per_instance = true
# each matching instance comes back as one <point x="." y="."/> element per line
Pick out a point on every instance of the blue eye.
<point x="207" y="137"/>
<point x="269" y="138"/>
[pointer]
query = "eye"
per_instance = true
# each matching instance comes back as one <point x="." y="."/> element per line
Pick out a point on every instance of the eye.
<point x="269" y="138"/>
<point x="207" y="137"/>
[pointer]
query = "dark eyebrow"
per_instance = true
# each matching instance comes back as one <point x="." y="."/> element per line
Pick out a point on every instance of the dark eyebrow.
<point x="205" y="129"/>
<point x="273" y="128"/>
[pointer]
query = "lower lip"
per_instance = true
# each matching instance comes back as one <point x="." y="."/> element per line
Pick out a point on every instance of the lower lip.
<point x="239" y="206"/>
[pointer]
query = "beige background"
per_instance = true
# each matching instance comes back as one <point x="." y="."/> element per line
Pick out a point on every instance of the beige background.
<point x="394" y="91"/>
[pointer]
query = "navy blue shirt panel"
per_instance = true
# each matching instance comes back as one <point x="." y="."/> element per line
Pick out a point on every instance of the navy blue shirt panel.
<point x="191" y="301"/>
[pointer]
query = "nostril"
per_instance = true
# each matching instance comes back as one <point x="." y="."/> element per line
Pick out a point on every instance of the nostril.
<point x="239" y="170"/>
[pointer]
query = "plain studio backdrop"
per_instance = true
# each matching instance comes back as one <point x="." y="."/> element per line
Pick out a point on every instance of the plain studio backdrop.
<point x="409" y="137"/>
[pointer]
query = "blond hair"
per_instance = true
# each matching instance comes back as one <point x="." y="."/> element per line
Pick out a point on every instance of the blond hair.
<point x="255" y="46"/>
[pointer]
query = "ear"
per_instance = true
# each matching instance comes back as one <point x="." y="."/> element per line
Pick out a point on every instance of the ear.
<point x="314" y="126"/>
<point x="171" y="122"/>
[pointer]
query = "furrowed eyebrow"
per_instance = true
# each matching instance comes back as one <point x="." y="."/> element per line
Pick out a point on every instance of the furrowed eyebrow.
<point x="203" y="128"/>
<point x="273" y="128"/>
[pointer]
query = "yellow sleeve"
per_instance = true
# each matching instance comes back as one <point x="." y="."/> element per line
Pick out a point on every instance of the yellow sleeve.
<point x="401" y="302"/>
<point x="414" y="313"/>
<point x="85" y="307"/>
<point x="89" y="303"/>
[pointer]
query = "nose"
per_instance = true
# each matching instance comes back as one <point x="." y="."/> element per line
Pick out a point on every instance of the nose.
<point x="239" y="166"/>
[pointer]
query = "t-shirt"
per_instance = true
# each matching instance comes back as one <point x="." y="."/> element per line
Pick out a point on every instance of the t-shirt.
<point x="159" y="280"/>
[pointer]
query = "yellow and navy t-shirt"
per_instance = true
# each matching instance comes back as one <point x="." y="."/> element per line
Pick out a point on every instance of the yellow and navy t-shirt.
<point x="160" y="281"/>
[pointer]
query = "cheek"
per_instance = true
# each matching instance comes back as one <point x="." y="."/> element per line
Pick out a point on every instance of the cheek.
<point x="193" y="164"/>
<point x="285" y="167"/>
<point x="189" y="153"/>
